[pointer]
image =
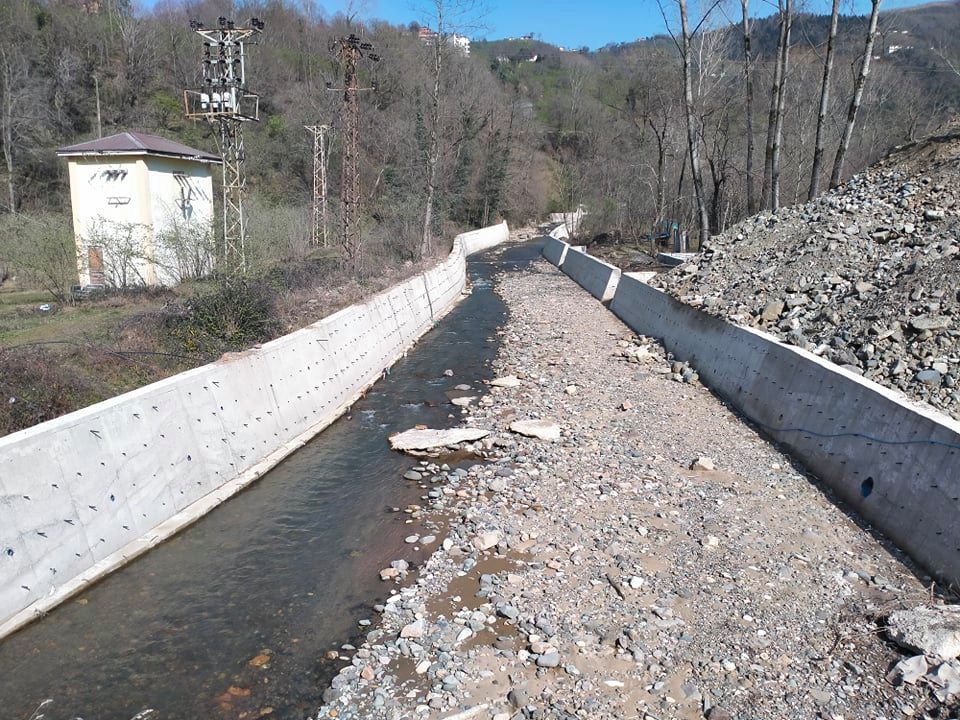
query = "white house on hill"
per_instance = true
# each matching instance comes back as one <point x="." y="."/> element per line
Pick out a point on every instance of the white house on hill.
<point x="142" y="210"/>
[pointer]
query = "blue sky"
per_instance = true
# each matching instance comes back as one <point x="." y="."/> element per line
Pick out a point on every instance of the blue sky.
<point x="571" y="23"/>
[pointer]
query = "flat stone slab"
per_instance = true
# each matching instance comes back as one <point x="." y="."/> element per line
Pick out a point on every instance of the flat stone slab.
<point x="933" y="631"/>
<point x="429" y="439"/>
<point x="541" y="429"/>
<point x="508" y="381"/>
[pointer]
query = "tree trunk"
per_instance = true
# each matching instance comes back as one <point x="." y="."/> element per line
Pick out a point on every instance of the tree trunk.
<point x="748" y="90"/>
<point x="775" y="117"/>
<point x="433" y="156"/>
<point x="818" y="148"/>
<point x="771" y="200"/>
<point x="693" y="136"/>
<point x="6" y="119"/>
<point x="857" y="96"/>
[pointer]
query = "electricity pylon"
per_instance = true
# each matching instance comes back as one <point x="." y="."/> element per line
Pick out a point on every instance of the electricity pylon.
<point x="351" y="49"/>
<point x="225" y="104"/>
<point x="319" y="224"/>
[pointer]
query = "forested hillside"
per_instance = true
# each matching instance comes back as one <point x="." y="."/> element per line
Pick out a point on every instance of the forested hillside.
<point x="525" y="126"/>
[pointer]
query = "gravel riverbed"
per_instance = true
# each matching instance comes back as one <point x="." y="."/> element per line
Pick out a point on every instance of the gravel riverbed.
<point x="659" y="560"/>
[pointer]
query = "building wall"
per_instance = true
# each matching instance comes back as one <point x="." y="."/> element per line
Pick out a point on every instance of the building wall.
<point x="105" y="193"/>
<point x="127" y="205"/>
<point x="181" y="202"/>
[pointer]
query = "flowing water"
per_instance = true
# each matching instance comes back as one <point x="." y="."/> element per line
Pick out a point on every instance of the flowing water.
<point x="233" y="616"/>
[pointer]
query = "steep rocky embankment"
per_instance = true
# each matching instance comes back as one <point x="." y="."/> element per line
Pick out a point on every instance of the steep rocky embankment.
<point x="865" y="276"/>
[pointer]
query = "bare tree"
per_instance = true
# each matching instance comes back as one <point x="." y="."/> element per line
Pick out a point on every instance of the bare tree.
<point x="771" y="168"/>
<point x="685" y="46"/>
<point x="748" y="103"/>
<point x="857" y="95"/>
<point x="15" y="115"/>
<point x="449" y="16"/>
<point x="818" y="147"/>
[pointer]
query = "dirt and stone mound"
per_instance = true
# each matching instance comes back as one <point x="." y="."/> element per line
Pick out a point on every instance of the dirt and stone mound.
<point x="865" y="276"/>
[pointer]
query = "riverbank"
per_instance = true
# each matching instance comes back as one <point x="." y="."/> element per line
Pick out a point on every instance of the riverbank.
<point x="601" y="576"/>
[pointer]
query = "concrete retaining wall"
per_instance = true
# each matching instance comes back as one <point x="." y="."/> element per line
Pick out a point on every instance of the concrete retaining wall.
<point x="83" y="494"/>
<point x="895" y="463"/>
<point x="595" y="276"/>
<point x="555" y="251"/>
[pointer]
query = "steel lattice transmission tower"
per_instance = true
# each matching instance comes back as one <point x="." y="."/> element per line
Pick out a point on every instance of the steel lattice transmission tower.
<point x="351" y="50"/>
<point x="226" y="104"/>
<point x="319" y="225"/>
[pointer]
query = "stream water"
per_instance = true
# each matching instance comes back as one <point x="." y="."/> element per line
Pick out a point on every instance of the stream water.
<point x="233" y="616"/>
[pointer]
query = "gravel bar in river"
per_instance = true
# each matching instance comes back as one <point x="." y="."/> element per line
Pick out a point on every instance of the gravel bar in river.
<point x="659" y="560"/>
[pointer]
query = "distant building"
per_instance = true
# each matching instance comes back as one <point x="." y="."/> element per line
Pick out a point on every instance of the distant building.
<point x="142" y="210"/>
<point x="459" y="42"/>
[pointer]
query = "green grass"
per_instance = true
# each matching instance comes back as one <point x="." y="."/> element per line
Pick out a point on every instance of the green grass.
<point x="21" y="322"/>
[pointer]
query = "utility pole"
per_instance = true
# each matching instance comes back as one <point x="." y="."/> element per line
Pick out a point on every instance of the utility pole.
<point x="351" y="49"/>
<point x="225" y="104"/>
<point x="319" y="225"/>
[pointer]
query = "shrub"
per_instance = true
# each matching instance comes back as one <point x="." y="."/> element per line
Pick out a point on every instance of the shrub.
<point x="238" y="313"/>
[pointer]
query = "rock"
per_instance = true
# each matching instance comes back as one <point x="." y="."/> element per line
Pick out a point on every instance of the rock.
<point x="931" y="214"/>
<point x="710" y="541"/>
<point x="367" y="673"/>
<point x="909" y="670"/>
<point x="772" y="311"/>
<point x="508" y="611"/>
<point x="487" y="540"/>
<point x="497" y="485"/>
<point x="464" y="401"/>
<point x="947" y="679"/>
<point x="448" y="373"/>
<point x="389" y="573"/>
<point x="930" y="322"/>
<point x="718" y="713"/>
<point x="508" y="381"/>
<point x="928" y="377"/>
<point x="412" y="475"/>
<point x="414" y="630"/>
<point x="427" y="439"/>
<point x="571" y="389"/>
<point x="548" y="660"/>
<point x="626" y="405"/>
<point x="540" y="429"/>
<point x="411" y="539"/>
<point x="518" y="697"/>
<point x="703" y="463"/>
<point x="931" y="630"/>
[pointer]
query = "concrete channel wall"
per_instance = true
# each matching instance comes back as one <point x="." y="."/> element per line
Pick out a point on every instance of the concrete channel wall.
<point x="593" y="275"/>
<point x="555" y="250"/>
<point x="896" y="463"/>
<point x="84" y="493"/>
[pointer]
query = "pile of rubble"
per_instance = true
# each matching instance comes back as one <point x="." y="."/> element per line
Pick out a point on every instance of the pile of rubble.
<point x="865" y="276"/>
